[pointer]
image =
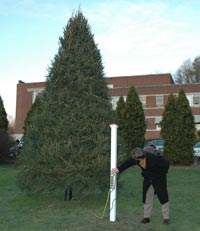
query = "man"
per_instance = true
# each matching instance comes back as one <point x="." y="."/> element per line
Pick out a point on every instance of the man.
<point x="154" y="169"/>
<point x="152" y="148"/>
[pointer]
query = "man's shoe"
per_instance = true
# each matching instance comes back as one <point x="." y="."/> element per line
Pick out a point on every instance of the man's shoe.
<point x="145" y="220"/>
<point x="166" y="222"/>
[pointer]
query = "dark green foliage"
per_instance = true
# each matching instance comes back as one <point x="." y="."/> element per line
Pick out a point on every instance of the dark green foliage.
<point x="120" y="110"/>
<point x="132" y="121"/>
<point x="198" y="133"/>
<point x="185" y="130"/>
<point x="3" y="117"/>
<point x="35" y="109"/>
<point x="5" y="143"/>
<point x="168" y="131"/>
<point x="5" y="139"/>
<point x="178" y="130"/>
<point x="67" y="142"/>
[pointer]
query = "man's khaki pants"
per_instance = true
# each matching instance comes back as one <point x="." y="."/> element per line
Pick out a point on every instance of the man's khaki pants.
<point x="149" y="205"/>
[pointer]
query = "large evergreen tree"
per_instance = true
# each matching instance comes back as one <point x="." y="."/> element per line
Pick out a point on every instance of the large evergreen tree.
<point x="185" y="130"/>
<point x="168" y="129"/>
<point x="67" y="142"/>
<point x="178" y="130"/>
<point x="134" y="126"/>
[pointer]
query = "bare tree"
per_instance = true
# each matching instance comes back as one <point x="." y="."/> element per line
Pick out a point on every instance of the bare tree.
<point x="196" y="69"/>
<point x="188" y="72"/>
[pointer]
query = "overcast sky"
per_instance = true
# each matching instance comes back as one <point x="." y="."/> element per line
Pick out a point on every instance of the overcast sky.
<point x="134" y="36"/>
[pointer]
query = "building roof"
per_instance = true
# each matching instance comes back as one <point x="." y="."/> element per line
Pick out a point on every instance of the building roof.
<point x="140" y="80"/>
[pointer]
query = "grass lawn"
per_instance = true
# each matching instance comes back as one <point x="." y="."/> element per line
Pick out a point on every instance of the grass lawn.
<point x="49" y="212"/>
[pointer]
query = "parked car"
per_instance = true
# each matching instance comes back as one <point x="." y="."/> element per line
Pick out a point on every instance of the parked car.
<point x="14" y="151"/>
<point x="196" y="149"/>
<point x="159" y="144"/>
<point x="21" y="142"/>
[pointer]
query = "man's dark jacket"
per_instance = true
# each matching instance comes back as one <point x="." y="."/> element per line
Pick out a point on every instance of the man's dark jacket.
<point x="154" y="173"/>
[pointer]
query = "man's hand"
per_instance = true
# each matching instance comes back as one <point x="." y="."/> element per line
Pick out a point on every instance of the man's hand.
<point x="115" y="170"/>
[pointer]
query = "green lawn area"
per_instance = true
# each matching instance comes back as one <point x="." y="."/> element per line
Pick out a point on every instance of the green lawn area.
<point x="48" y="211"/>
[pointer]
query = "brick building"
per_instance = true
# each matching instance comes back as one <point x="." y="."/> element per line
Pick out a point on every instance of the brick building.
<point x="153" y="91"/>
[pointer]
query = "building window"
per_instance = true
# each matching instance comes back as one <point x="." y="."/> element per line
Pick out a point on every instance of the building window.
<point x="158" y="127"/>
<point x="109" y="86"/>
<point x="190" y="99"/>
<point x="35" y="92"/>
<point x="159" y="100"/>
<point x="197" y="119"/>
<point x="158" y="119"/>
<point x="143" y="100"/>
<point x="197" y="126"/>
<point x="196" y="100"/>
<point x="114" y="101"/>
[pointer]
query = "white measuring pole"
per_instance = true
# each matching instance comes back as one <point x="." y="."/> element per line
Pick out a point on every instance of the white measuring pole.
<point x="113" y="177"/>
